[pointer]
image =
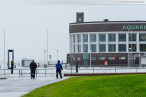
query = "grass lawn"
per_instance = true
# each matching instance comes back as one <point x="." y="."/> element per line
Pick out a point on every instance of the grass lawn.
<point x="95" y="86"/>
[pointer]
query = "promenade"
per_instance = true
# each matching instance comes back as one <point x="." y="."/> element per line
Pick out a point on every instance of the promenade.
<point x="16" y="87"/>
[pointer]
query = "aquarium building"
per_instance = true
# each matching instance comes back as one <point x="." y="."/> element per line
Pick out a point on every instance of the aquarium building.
<point x="106" y="42"/>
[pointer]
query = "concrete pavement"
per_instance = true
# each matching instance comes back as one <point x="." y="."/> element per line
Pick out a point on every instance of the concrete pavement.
<point x="16" y="87"/>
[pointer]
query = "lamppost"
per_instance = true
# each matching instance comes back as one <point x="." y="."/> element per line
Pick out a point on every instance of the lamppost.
<point x="90" y="58"/>
<point x="128" y="55"/>
<point x="44" y="56"/>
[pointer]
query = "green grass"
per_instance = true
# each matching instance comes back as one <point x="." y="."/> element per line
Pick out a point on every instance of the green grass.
<point x="95" y="86"/>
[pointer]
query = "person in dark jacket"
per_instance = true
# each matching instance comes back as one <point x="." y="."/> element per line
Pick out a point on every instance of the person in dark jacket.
<point x="58" y="69"/>
<point x="77" y="66"/>
<point x="33" y="67"/>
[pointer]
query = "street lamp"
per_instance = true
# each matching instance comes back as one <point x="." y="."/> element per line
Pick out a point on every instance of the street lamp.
<point x="128" y="55"/>
<point x="44" y="56"/>
<point x="90" y="58"/>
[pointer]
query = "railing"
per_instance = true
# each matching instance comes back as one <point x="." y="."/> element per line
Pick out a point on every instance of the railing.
<point x="26" y="72"/>
<point x="107" y="69"/>
<point x="51" y="71"/>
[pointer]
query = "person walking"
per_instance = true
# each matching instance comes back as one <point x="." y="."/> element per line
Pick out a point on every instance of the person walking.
<point x="58" y="69"/>
<point x="33" y="67"/>
<point x="77" y="66"/>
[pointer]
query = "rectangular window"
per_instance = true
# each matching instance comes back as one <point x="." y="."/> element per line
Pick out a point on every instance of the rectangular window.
<point x="122" y="37"/>
<point x="122" y="47"/>
<point x="85" y="47"/>
<point x="143" y="47"/>
<point x="79" y="48"/>
<point x="132" y="47"/>
<point x="142" y="37"/>
<point x="93" y="47"/>
<point x="112" y="47"/>
<point x="132" y="37"/>
<point x="102" y="37"/>
<point x="85" y="37"/>
<point x="79" y="38"/>
<point x="74" y="48"/>
<point x="93" y="58"/>
<point x="122" y="58"/>
<point x="92" y="37"/>
<point x="112" y="37"/>
<point x="102" y="47"/>
<point x="78" y="58"/>
<point x="111" y="58"/>
<point x="74" y="39"/>
<point x="101" y="58"/>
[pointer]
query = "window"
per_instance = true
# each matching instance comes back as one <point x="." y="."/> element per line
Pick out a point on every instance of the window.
<point x="93" y="58"/>
<point x="122" y="58"/>
<point x="102" y="47"/>
<point x="132" y="37"/>
<point x="142" y="47"/>
<point x="79" y="38"/>
<point x="93" y="47"/>
<point x="85" y="47"/>
<point x="142" y="37"/>
<point x="85" y="38"/>
<point x="79" y="48"/>
<point x="74" y="48"/>
<point x="78" y="58"/>
<point x="111" y="58"/>
<point x="112" y="47"/>
<point x="112" y="37"/>
<point x="101" y="58"/>
<point x="122" y="47"/>
<point x="74" y="39"/>
<point x="102" y="38"/>
<point x="132" y="47"/>
<point x="122" y="37"/>
<point x="92" y="37"/>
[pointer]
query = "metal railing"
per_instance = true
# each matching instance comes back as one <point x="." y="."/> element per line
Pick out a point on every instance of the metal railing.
<point x="107" y="69"/>
<point x="51" y="71"/>
<point x="26" y="72"/>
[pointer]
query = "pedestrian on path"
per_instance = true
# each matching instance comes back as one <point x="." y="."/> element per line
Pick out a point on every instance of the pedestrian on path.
<point x="58" y="69"/>
<point x="77" y="66"/>
<point x="33" y="67"/>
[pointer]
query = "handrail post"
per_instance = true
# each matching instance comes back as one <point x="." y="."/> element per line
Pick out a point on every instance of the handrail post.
<point x="93" y="68"/>
<point x="71" y="69"/>
<point x="115" y="69"/>
<point x="19" y="72"/>
<point x="4" y="72"/>
<point x="36" y="72"/>
<point x="45" y="72"/>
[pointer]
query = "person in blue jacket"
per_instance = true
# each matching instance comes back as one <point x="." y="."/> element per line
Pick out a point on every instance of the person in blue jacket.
<point x="58" y="69"/>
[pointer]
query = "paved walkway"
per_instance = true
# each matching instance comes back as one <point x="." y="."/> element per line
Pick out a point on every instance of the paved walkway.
<point x="16" y="87"/>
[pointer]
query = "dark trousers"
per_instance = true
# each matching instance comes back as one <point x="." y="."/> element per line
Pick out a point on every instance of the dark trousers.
<point x="59" y="74"/>
<point x="33" y="73"/>
<point x="76" y="69"/>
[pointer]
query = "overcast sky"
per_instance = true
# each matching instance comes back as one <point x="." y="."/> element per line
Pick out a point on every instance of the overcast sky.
<point x="26" y="25"/>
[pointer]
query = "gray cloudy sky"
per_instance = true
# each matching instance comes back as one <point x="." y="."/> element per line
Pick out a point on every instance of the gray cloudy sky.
<point x="26" y="25"/>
